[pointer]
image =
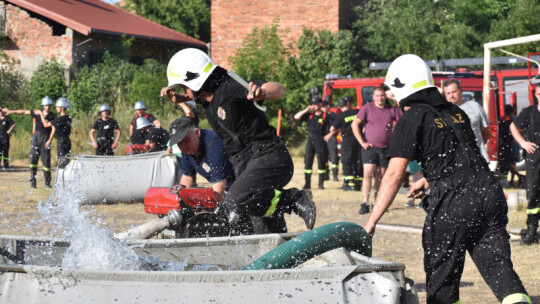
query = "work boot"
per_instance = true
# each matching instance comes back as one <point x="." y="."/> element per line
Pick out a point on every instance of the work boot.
<point x="358" y="184"/>
<point x="321" y="181"/>
<point x="335" y="174"/>
<point x="305" y="207"/>
<point x="48" y="179"/>
<point x="521" y="181"/>
<point x="307" y="185"/>
<point x="530" y="237"/>
<point x="364" y="208"/>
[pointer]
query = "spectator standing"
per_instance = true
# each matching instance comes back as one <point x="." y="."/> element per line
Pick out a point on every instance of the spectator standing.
<point x="262" y="163"/>
<point x="41" y="133"/>
<point x="6" y="127"/>
<point x="479" y="121"/>
<point x="378" y="118"/>
<point x="105" y="127"/>
<point x="466" y="209"/>
<point x="351" y="151"/>
<point x="507" y="161"/>
<point x="317" y="120"/>
<point x="529" y="120"/>
<point x="136" y="136"/>
<point x="331" y="143"/>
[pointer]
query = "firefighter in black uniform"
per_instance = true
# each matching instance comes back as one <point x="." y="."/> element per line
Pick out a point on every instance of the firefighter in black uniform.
<point x="106" y="127"/>
<point x="351" y="151"/>
<point x="39" y="139"/>
<point x="136" y="136"/>
<point x="529" y="119"/>
<point x="6" y="127"/>
<point x="61" y="127"/>
<point x="466" y="209"/>
<point x="262" y="163"/>
<point x="155" y="137"/>
<point x="331" y="143"/>
<point x="317" y="120"/>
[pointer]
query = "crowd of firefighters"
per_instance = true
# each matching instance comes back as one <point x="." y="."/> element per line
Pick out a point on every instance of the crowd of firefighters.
<point x="433" y="131"/>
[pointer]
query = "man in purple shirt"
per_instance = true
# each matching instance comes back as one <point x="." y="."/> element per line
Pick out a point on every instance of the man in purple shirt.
<point x="378" y="118"/>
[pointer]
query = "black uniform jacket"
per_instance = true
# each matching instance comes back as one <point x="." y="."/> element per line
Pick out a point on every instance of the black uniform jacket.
<point x="422" y="135"/>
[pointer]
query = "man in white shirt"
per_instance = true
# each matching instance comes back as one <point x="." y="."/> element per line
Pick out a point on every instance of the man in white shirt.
<point x="479" y="121"/>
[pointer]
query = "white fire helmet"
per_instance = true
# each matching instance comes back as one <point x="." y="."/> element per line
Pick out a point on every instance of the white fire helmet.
<point x="408" y="74"/>
<point x="139" y="105"/>
<point x="142" y="122"/>
<point x="46" y="101"/>
<point x="62" y="102"/>
<point x="104" y="108"/>
<point x="190" y="67"/>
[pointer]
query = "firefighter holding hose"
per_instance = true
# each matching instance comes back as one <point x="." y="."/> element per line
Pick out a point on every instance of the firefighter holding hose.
<point x="466" y="209"/>
<point x="261" y="161"/>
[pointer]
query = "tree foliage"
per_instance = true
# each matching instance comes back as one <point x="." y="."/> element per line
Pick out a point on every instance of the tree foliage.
<point x="12" y="82"/>
<point x="191" y="17"/>
<point x="48" y="80"/>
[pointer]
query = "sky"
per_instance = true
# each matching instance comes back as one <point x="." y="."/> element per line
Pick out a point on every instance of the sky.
<point x="111" y="1"/>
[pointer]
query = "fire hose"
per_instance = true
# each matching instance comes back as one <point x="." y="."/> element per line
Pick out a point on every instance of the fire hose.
<point x="311" y="243"/>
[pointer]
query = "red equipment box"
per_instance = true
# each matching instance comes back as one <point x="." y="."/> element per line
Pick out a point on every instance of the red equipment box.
<point x="161" y="200"/>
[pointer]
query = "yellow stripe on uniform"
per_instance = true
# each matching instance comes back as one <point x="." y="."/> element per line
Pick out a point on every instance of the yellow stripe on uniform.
<point x="516" y="298"/>
<point x="308" y="171"/>
<point x="46" y="169"/>
<point x="273" y="204"/>
<point x="321" y="171"/>
<point x="533" y="211"/>
<point x="33" y="166"/>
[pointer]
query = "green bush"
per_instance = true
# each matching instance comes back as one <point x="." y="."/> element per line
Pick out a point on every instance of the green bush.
<point x="12" y="82"/>
<point x="146" y="86"/>
<point x="48" y="80"/>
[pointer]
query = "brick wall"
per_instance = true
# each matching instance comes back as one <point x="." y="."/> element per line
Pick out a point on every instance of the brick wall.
<point x="34" y="41"/>
<point x="232" y="20"/>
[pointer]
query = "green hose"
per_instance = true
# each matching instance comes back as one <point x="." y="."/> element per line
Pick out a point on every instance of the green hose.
<point x="309" y="244"/>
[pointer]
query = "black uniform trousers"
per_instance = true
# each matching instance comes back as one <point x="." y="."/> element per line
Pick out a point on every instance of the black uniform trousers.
<point x="262" y="170"/>
<point x="4" y="150"/>
<point x="532" y="167"/>
<point x="351" y="157"/>
<point x="38" y="149"/>
<point x="467" y="212"/>
<point x="104" y="146"/>
<point x="315" y="145"/>
<point x="332" y="146"/>
<point x="63" y="147"/>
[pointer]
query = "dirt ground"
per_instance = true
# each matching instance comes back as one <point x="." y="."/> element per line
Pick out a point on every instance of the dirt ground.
<point x="19" y="216"/>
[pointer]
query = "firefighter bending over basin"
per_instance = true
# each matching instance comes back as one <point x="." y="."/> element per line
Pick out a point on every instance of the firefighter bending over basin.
<point x="261" y="161"/>
<point x="466" y="209"/>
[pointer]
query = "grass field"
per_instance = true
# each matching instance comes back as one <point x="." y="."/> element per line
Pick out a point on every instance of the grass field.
<point x="19" y="216"/>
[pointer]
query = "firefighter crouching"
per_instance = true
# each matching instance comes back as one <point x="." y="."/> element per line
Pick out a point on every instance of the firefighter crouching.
<point x="466" y="209"/>
<point x="317" y="120"/>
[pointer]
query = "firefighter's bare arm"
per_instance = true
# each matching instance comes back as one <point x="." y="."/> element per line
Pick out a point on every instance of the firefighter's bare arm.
<point x="46" y="124"/>
<point x="390" y="184"/>
<point x="485" y="134"/>
<point x="91" y="134"/>
<point x="117" y="138"/>
<point x="48" y="143"/>
<point x="528" y="146"/>
<point x="176" y="97"/>
<point x="333" y="131"/>
<point x="131" y="130"/>
<point x="187" y="110"/>
<point x="357" y="131"/>
<point x="21" y="112"/>
<point x="267" y="91"/>
<point x="301" y="113"/>
<point x="219" y="190"/>
<point x="11" y="128"/>
<point x="157" y="123"/>
<point x="186" y="181"/>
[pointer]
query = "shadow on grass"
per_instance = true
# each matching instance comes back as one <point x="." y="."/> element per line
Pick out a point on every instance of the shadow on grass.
<point x="421" y="287"/>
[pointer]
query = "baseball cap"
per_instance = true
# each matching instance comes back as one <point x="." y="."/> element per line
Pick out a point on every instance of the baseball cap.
<point x="179" y="128"/>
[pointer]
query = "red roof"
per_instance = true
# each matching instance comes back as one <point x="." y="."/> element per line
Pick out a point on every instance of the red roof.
<point x="95" y="17"/>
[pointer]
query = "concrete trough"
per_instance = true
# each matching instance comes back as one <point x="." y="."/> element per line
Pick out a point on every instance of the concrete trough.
<point x="31" y="272"/>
